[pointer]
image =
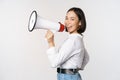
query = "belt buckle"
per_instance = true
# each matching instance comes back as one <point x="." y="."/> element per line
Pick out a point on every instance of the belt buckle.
<point x="71" y="71"/>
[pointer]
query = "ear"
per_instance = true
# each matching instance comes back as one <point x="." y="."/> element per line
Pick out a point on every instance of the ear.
<point x="80" y="23"/>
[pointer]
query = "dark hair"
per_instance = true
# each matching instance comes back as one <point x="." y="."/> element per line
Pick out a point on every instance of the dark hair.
<point x="81" y="16"/>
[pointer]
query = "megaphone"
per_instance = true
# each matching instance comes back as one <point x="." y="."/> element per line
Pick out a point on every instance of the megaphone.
<point x="37" y="22"/>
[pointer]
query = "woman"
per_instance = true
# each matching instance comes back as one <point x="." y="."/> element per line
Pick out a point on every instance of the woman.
<point x="72" y="56"/>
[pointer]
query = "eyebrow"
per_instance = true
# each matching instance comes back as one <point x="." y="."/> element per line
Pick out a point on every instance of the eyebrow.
<point x="70" y="17"/>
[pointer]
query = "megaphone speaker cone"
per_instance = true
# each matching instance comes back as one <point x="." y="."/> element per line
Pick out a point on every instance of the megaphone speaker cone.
<point x="32" y="21"/>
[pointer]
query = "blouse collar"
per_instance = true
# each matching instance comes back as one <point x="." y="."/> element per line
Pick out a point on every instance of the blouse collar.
<point x="76" y="34"/>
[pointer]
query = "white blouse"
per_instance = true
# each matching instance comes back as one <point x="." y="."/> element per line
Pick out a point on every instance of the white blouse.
<point x="71" y="55"/>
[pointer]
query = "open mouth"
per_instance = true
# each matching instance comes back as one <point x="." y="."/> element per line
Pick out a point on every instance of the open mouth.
<point x="69" y="27"/>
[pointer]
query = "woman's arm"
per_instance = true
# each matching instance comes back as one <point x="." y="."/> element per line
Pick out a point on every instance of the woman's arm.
<point x="50" y="38"/>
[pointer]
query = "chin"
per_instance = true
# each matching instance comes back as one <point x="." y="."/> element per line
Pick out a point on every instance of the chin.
<point x="70" y="32"/>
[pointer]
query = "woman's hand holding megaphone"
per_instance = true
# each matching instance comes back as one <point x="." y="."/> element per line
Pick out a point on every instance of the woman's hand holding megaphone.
<point x="50" y="38"/>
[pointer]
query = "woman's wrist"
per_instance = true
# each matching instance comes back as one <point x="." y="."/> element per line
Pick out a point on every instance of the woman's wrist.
<point x="51" y="44"/>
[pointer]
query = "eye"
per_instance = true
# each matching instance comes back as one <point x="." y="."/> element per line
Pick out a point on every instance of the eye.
<point x="72" y="19"/>
<point x="66" y="18"/>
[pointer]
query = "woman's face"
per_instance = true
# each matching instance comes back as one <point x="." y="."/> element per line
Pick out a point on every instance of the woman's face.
<point x="72" y="22"/>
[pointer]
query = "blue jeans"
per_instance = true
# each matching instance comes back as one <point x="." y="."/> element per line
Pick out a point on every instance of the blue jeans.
<point x="61" y="76"/>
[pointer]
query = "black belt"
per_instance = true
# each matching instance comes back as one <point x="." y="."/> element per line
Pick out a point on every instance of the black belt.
<point x="67" y="71"/>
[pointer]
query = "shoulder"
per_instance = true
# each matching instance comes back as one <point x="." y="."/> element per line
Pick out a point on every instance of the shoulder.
<point x="75" y="37"/>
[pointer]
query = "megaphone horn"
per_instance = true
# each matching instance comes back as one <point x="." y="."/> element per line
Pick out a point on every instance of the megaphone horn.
<point x="37" y="22"/>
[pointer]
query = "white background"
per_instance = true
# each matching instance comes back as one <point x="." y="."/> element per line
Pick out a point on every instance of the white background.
<point x="23" y="54"/>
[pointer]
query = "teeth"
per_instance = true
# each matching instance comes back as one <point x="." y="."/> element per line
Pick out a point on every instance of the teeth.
<point x="69" y="26"/>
